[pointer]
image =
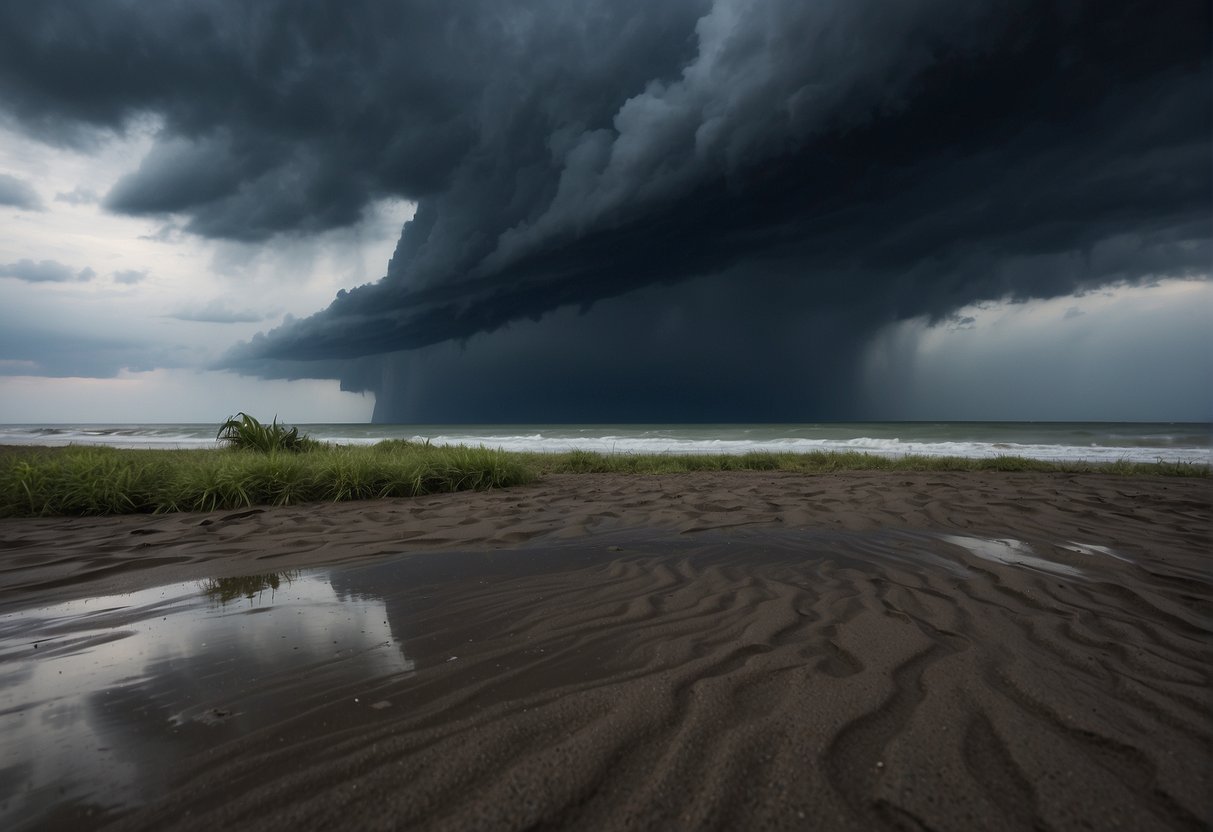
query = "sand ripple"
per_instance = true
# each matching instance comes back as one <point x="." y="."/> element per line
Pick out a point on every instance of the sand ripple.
<point x="910" y="651"/>
<point x="758" y="680"/>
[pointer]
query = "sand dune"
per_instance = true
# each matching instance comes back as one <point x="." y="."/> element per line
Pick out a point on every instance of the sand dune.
<point x="735" y="651"/>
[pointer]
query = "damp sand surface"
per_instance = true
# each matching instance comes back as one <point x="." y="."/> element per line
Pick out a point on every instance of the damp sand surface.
<point x="716" y="651"/>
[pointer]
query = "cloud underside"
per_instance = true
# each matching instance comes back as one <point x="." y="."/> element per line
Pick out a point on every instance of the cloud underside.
<point x="19" y="194"/>
<point x="45" y="271"/>
<point x="216" y="311"/>
<point x="30" y="349"/>
<point x="892" y="160"/>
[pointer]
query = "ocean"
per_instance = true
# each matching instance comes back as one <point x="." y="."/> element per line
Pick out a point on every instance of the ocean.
<point x="1090" y="441"/>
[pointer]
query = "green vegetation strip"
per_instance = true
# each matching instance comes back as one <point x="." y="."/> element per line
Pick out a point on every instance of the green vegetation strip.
<point x="94" y="481"/>
<point x="824" y="462"/>
<point x="40" y="482"/>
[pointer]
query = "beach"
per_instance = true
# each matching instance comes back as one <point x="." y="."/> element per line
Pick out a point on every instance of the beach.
<point x="737" y="650"/>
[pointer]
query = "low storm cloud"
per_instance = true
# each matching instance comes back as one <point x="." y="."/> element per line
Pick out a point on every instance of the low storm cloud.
<point x="668" y="209"/>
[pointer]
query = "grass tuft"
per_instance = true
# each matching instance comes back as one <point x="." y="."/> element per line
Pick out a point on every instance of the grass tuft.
<point x="244" y="433"/>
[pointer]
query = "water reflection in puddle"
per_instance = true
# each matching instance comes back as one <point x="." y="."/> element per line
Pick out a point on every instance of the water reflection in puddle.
<point x="1012" y="553"/>
<point x="101" y="696"/>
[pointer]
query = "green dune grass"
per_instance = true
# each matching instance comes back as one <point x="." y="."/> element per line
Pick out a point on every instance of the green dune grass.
<point x="279" y="467"/>
<point x="823" y="462"/>
<point x="94" y="481"/>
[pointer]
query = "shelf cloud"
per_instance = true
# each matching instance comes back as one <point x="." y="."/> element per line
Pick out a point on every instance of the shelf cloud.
<point x="890" y="160"/>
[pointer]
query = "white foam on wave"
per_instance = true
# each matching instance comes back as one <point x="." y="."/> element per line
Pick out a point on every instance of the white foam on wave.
<point x="623" y="444"/>
<point x="612" y="440"/>
<point x="168" y="436"/>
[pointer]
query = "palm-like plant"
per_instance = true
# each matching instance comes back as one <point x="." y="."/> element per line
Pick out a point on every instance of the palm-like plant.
<point x="244" y="432"/>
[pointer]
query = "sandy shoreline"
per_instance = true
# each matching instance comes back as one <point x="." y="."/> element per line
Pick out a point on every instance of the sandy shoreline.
<point x="738" y="650"/>
<point x="50" y="558"/>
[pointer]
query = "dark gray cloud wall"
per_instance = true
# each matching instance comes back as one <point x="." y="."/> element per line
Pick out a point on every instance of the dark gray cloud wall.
<point x="855" y="161"/>
<point x="291" y="116"/>
<point x="665" y="353"/>
<point x="911" y="160"/>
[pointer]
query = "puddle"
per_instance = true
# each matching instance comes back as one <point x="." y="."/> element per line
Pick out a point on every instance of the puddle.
<point x="100" y="697"/>
<point x="107" y="702"/>
<point x="1094" y="550"/>
<point x="104" y="699"/>
<point x="1011" y="552"/>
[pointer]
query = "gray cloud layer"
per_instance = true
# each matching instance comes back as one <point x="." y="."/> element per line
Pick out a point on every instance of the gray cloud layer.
<point x="890" y="159"/>
<point x="216" y="311"/>
<point x="45" y="271"/>
<point x="78" y="195"/>
<point x="18" y="193"/>
<point x="32" y="348"/>
<point x="128" y="277"/>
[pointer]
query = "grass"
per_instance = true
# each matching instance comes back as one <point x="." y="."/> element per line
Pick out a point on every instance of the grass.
<point x="95" y="481"/>
<point x="79" y="480"/>
<point x="824" y="462"/>
<point x="243" y="432"/>
<point x="224" y="590"/>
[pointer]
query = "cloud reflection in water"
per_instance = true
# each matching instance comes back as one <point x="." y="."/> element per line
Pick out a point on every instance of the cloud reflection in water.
<point x="101" y="698"/>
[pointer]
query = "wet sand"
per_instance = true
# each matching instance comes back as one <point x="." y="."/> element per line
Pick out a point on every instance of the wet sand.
<point x="733" y="651"/>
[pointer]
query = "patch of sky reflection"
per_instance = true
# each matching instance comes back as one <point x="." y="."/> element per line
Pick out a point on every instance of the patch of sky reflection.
<point x="1010" y="552"/>
<point x="1094" y="550"/>
<point x="100" y="697"/>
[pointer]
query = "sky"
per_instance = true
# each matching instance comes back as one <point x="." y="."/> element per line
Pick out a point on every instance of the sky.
<point x="606" y="210"/>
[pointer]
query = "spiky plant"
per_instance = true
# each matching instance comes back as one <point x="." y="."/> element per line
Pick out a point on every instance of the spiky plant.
<point x="244" y="432"/>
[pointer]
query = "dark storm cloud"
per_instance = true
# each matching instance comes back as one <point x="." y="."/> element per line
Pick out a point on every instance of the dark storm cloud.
<point x="907" y="160"/>
<point x="890" y="159"/>
<point x="291" y="116"/>
<point x="18" y="193"/>
<point x="45" y="271"/>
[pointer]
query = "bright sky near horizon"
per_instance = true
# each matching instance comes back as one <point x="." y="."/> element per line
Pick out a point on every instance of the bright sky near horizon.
<point x="679" y="214"/>
<point x="136" y="340"/>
